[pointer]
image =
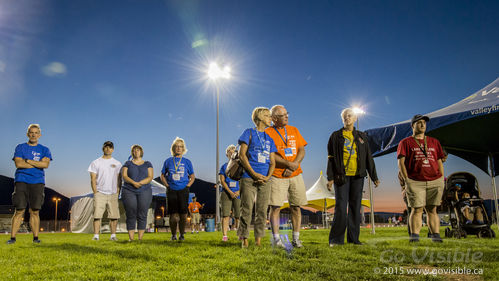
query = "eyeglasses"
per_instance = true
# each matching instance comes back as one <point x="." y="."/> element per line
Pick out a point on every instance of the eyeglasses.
<point x="282" y="115"/>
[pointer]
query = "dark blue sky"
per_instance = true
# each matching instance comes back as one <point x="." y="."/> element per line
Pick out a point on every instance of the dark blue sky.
<point x="133" y="72"/>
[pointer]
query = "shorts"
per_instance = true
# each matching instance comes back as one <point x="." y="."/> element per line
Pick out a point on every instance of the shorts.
<point x="103" y="202"/>
<point x="229" y="204"/>
<point x="196" y="218"/>
<point x="25" y="193"/>
<point x="178" y="201"/>
<point x="292" y="188"/>
<point x="424" y="193"/>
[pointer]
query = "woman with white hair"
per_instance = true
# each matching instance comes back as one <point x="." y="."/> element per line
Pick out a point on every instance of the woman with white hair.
<point x="136" y="193"/>
<point x="231" y="201"/>
<point x="177" y="175"/>
<point x="257" y="157"/>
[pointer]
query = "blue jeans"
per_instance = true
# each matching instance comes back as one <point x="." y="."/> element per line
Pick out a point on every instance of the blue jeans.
<point x="349" y="194"/>
<point x="136" y="206"/>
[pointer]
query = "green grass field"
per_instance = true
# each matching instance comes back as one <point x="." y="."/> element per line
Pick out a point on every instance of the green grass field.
<point x="387" y="255"/>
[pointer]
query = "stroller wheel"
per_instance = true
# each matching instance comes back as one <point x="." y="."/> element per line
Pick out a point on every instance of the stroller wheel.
<point x="447" y="232"/>
<point x="457" y="234"/>
<point x="463" y="233"/>
<point x="484" y="233"/>
<point x="491" y="233"/>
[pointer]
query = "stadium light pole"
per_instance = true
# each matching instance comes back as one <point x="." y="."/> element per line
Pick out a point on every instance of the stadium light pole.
<point x="215" y="73"/>
<point x="359" y="112"/>
<point x="56" y="200"/>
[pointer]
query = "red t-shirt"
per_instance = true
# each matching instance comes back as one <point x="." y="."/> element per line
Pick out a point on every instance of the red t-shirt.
<point x="415" y="161"/>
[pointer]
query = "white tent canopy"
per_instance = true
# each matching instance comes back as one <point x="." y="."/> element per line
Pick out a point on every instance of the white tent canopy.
<point x="82" y="212"/>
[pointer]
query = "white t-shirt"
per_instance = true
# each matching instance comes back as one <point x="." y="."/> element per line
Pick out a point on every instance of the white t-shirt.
<point x="107" y="171"/>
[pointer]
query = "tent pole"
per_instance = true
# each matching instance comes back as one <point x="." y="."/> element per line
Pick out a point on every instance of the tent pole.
<point x="372" y="204"/>
<point x="494" y="188"/>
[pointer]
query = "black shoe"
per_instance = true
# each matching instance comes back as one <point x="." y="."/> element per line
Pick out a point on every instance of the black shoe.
<point x="174" y="237"/>
<point x="358" y="243"/>
<point x="11" y="241"/>
<point x="414" y="238"/>
<point x="181" y="238"/>
<point x="37" y="241"/>
<point x="436" y="238"/>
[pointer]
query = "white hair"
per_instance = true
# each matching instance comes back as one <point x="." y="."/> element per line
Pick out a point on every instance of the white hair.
<point x="34" y="126"/>
<point x="274" y="108"/>
<point x="229" y="148"/>
<point x="175" y="141"/>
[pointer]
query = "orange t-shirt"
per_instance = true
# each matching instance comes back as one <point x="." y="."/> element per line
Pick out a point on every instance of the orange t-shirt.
<point x="294" y="141"/>
<point x="194" y="207"/>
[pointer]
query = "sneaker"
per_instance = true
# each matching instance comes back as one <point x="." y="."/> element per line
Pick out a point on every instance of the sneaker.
<point x="436" y="238"/>
<point x="414" y="238"/>
<point x="278" y="243"/>
<point x="192" y="232"/>
<point x="225" y="238"/>
<point x="197" y="232"/>
<point x="37" y="241"/>
<point x="95" y="238"/>
<point x="297" y="243"/>
<point x="181" y="238"/>
<point x="468" y="222"/>
<point x="113" y="238"/>
<point x="174" y="237"/>
<point x="11" y="241"/>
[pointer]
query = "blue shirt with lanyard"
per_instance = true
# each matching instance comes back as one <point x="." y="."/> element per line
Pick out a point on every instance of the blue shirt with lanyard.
<point x="177" y="171"/>
<point x="259" y="150"/>
<point x="232" y="184"/>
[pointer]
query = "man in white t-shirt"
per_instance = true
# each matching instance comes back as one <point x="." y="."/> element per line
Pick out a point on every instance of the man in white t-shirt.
<point x="105" y="179"/>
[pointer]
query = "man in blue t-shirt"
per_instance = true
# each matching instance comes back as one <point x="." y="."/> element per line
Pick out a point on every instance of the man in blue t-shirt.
<point x="29" y="183"/>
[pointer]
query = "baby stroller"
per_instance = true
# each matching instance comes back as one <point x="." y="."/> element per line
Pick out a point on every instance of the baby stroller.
<point x="461" y="197"/>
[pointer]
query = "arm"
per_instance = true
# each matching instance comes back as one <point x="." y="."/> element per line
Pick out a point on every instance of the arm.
<point x="246" y="165"/>
<point x="441" y="166"/>
<point x="225" y="186"/>
<point x="128" y="179"/>
<point x="271" y="167"/>
<point x="330" y="163"/>
<point x="402" y="169"/>
<point x="119" y="181"/>
<point x="22" y="164"/>
<point x="163" y="181"/>
<point x="371" y="166"/>
<point x="93" y="182"/>
<point x="191" y="180"/>
<point x="39" y="164"/>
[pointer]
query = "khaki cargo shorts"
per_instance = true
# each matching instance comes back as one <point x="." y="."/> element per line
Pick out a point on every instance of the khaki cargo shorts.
<point x="196" y="218"/>
<point x="291" y="188"/>
<point x="424" y="193"/>
<point x="103" y="202"/>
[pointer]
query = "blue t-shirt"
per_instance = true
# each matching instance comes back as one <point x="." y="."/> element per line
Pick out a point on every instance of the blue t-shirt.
<point x="177" y="171"/>
<point x="137" y="173"/>
<point x="258" y="151"/>
<point x="232" y="184"/>
<point x="36" y="153"/>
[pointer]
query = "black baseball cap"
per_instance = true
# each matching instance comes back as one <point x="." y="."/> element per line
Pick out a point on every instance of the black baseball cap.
<point x="418" y="117"/>
<point x="108" y="143"/>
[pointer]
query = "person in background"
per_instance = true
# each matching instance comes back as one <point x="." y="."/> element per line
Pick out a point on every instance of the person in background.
<point x="287" y="180"/>
<point x="257" y="157"/>
<point x="194" y="208"/>
<point x="105" y="180"/>
<point x="136" y="193"/>
<point x="420" y="163"/>
<point x="30" y="158"/>
<point x="231" y="201"/>
<point x="177" y="175"/>
<point x="349" y="162"/>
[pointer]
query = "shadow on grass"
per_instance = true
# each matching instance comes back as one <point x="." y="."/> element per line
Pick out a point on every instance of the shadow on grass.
<point x="85" y="250"/>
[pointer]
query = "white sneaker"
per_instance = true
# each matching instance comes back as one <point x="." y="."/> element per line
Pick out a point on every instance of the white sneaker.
<point x="278" y="243"/>
<point x="113" y="238"/>
<point x="297" y="243"/>
<point x="95" y="238"/>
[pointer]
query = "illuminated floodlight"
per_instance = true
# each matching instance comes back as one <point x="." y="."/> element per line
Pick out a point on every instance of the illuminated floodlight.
<point x="215" y="72"/>
<point x="358" y="111"/>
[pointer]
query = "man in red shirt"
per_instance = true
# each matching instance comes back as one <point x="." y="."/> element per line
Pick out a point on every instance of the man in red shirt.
<point x="420" y="164"/>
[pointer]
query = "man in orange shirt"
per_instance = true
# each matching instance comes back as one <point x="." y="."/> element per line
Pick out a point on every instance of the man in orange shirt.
<point x="194" y="208"/>
<point x="287" y="180"/>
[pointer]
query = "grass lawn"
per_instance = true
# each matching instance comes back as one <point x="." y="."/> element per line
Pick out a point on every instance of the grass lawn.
<point x="387" y="255"/>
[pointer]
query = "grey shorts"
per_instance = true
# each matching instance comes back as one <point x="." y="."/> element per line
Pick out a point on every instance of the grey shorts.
<point x="25" y="193"/>
<point x="229" y="204"/>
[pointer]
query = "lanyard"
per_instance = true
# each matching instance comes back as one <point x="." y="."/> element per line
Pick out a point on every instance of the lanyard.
<point x="261" y="143"/>
<point x="425" y="150"/>
<point x="286" y="134"/>
<point x="175" y="164"/>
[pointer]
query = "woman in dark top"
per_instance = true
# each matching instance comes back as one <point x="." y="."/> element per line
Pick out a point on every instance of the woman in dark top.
<point x="349" y="161"/>
<point x="136" y="193"/>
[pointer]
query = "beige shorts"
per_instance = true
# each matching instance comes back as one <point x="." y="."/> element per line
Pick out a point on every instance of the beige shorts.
<point x="103" y="202"/>
<point x="195" y="218"/>
<point x="292" y="188"/>
<point x="424" y="193"/>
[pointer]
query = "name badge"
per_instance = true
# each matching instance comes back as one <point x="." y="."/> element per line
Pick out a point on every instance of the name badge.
<point x="262" y="158"/>
<point x="288" y="152"/>
<point x="176" y="177"/>
<point x="233" y="184"/>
